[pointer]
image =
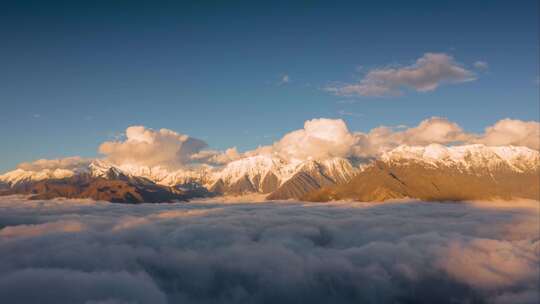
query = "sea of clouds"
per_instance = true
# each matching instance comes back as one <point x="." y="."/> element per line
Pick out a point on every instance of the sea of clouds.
<point x="80" y="251"/>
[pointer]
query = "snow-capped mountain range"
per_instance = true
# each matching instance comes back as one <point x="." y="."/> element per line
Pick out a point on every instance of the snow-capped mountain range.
<point x="261" y="173"/>
<point x="280" y="179"/>
<point x="466" y="157"/>
<point x="437" y="172"/>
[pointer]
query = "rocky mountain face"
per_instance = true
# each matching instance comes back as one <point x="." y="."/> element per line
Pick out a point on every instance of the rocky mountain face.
<point x="263" y="174"/>
<point x="98" y="182"/>
<point x="281" y="180"/>
<point x="116" y="190"/>
<point x="313" y="175"/>
<point x="441" y="173"/>
<point x="257" y="174"/>
<point x="433" y="172"/>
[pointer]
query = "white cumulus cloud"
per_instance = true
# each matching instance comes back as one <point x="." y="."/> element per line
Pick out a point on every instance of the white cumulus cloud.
<point x="512" y="132"/>
<point x="214" y="157"/>
<point x="324" y="138"/>
<point x="320" y="138"/>
<point x="432" y="130"/>
<point x="68" y="163"/>
<point x="143" y="146"/>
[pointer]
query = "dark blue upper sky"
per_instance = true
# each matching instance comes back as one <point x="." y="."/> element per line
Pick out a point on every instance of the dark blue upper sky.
<point x="75" y="73"/>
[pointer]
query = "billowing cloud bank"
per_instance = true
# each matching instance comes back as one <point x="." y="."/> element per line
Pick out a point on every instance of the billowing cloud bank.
<point x="318" y="139"/>
<point x="512" y="132"/>
<point x="426" y="74"/>
<point x="149" y="147"/>
<point x="433" y="130"/>
<point x="68" y="163"/>
<point x="410" y="252"/>
<point x="322" y="138"/>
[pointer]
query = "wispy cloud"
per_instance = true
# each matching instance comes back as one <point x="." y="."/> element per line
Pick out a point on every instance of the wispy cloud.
<point x="347" y="113"/>
<point x="481" y="65"/>
<point x="284" y="79"/>
<point x="426" y="74"/>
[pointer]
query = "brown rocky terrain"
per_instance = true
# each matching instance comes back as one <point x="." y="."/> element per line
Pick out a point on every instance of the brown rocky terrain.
<point x="112" y="190"/>
<point x="383" y="181"/>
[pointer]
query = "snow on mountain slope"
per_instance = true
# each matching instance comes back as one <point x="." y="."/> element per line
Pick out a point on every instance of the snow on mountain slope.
<point x="466" y="156"/>
<point x="254" y="167"/>
<point x="97" y="169"/>
<point x="266" y="174"/>
<point x="104" y="170"/>
<point x="272" y="175"/>
<point x="338" y="169"/>
<point x="312" y="175"/>
<point x="201" y="176"/>
<point x="435" y="172"/>
<point x="20" y="176"/>
<point x="261" y="173"/>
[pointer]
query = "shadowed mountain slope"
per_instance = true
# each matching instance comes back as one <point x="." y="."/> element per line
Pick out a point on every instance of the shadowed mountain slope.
<point x="479" y="173"/>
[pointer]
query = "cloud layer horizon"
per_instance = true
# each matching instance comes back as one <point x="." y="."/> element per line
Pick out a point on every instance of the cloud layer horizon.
<point x="319" y="139"/>
<point x="82" y="251"/>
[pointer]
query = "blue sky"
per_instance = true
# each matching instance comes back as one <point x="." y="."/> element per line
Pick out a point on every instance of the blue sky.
<point x="75" y="74"/>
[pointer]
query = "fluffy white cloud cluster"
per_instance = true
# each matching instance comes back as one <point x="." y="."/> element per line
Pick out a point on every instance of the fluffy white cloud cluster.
<point x="512" y="132"/>
<point x="320" y="138"/>
<point x="433" y="130"/>
<point x="323" y="138"/>
<point x="409" y="252"/>
<point x="68" y="163"/>
<point x="429" y="72"/>
<point x="166" y="148"/>
<point x="214" y="157"/>
<point x="147" y="147"/>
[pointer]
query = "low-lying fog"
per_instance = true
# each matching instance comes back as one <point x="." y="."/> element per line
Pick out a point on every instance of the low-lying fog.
<point x="78" y="251"/>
